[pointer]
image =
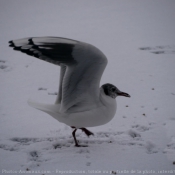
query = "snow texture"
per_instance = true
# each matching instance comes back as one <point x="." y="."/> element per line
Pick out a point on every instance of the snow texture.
<point x="138" y="39"/>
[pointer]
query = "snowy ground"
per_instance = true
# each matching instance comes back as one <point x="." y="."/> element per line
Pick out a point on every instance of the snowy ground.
<point x="138" y="39"/>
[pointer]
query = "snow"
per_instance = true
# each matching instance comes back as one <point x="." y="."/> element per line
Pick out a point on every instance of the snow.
<point x="138" y="39"/>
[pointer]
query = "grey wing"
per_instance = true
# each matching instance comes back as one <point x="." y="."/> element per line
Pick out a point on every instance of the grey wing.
<point x="62" y="73"/>
<point x="81" y="64"/>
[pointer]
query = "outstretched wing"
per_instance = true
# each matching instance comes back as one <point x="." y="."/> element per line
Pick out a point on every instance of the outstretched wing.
<point x="81" y="64"/>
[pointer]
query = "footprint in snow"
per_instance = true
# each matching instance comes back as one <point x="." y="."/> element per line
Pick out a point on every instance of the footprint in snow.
<point x="151" y="147"/>
<point x="141" y="128"/>
<point x="61" y="145"/>
<point x="134" y="134"/>
<point x="35" y="159"/>
<point x="25" y="141"/>
<point x="160" y="49"/>
<point x="52" y="93"/>
<point x="152" y="123"/>
<point x="170" y="146"/>
<point x="33" y="156"/>
<point x="8" y="147"/>
<point x="4" y="66"/>
<point x="42" y="89"/>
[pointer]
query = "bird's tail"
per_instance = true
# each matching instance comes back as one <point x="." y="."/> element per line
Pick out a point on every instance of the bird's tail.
<point x="48" y="108"/>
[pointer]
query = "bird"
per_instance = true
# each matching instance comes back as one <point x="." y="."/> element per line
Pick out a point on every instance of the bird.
<point x="80" y="102"/>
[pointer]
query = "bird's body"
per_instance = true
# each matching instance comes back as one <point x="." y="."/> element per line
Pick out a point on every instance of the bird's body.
<point x="88" y="118"/>
<point x="80" y="102"/>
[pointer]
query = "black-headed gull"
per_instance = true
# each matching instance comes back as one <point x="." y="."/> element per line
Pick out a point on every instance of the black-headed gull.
<point x="80" y="102"/>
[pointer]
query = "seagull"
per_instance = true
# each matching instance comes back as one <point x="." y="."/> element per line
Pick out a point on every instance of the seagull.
<point x="80" y="102"/>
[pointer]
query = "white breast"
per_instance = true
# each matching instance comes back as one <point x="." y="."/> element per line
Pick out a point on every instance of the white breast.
<point x="94" y="117"/>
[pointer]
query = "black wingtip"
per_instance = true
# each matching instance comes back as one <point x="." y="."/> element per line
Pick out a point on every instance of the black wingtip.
<point x="11" y="44"/>
<point x="30" y="41"/>
<point x="17" y="48"/>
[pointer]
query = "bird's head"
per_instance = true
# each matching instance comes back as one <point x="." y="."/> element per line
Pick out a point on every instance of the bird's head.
<point x="113" y="91"/>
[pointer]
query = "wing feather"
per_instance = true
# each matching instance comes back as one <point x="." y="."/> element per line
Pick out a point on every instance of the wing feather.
<point x="82" y="66"/>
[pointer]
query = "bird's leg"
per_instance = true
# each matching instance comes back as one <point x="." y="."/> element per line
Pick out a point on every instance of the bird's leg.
<point x="87" y="132"/>
<point x="73" y="134"/>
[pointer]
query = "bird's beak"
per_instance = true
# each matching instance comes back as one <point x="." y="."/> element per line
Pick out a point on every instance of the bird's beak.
<point x="123" y="94"/>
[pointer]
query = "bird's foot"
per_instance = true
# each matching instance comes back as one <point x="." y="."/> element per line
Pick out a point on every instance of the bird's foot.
<point x="87" y="132"/>
<point x="77" y="145"/>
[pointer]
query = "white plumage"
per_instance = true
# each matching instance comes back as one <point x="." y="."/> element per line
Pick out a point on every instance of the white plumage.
<point x="80" y="102"/>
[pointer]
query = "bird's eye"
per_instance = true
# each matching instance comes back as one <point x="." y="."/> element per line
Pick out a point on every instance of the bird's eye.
<point x="113" y="89"/>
